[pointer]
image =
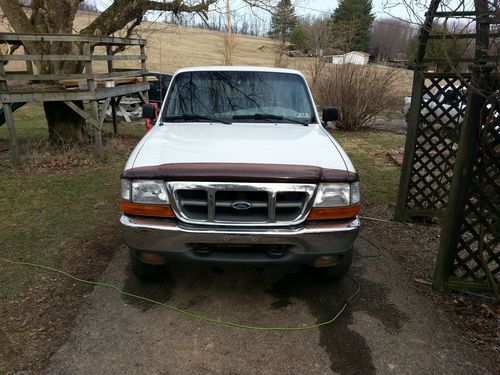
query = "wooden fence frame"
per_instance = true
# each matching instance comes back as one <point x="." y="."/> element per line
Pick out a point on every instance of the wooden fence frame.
<point x="461" y="264"/>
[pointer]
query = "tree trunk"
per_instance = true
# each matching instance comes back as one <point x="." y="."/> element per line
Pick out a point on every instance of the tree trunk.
<point x="65" y="125"/>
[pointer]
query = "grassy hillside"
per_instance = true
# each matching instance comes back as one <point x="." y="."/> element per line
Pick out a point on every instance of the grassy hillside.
<point x="171" y="47"/>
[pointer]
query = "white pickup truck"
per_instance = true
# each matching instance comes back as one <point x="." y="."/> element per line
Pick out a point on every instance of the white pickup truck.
<point x="239" y="168"/>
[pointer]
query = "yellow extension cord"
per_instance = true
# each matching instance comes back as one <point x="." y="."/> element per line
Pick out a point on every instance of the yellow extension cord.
<point x="186" y="312"/>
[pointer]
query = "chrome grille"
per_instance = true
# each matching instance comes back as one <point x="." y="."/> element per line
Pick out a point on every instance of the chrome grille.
<point x="241" y="203"/>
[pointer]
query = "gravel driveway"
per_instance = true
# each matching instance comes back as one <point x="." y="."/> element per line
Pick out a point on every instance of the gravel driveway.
<point x="387" y="328"/>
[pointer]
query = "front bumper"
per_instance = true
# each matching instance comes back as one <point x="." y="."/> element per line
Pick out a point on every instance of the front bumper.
<point x="297" y="244"/>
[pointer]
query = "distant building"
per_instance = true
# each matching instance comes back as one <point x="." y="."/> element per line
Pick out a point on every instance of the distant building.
<point x="353" y="57"/>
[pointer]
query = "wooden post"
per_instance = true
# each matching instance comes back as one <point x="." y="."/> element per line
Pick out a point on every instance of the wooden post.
<point x="94" y="106"/>
<point x="144" y="68"/>
<point x="414" y="115"/>
<point x="14" y="148"/>
<point x="29" y="66"/>
<point x="411" y="140"/>
<point x="460" y="183"/>
<point x="113" y="106"/>
<point x="467" y="152"/>
<point x="9" y="119"/>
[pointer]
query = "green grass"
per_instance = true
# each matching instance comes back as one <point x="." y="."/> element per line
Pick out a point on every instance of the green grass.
<point x="58" y="204"/>
<point x="379" y="177"/>
<point x="43" y="212"/>
<point x="30" y="124"/>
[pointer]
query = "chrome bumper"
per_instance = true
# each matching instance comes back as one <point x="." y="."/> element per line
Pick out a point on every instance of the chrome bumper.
<point x="175" y="239"/>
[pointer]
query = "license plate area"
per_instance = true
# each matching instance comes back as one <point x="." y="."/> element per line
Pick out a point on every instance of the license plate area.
<point x="271" y="250"/>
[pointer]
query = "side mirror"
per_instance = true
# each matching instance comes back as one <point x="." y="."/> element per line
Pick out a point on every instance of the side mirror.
<point x="330" y="113"/>
<point x="149" y="111"/>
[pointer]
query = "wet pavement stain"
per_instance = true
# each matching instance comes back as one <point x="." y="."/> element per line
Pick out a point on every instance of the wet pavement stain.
<point x="348" y="350"/>
<point x="156" y="289"/>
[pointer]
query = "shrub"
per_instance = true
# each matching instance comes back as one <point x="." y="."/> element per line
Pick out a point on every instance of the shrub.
<point x="361" y="92"/>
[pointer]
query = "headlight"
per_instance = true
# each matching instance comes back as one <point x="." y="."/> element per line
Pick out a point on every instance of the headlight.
<point x="337" y="195"/>
<point x="149" y="191"/>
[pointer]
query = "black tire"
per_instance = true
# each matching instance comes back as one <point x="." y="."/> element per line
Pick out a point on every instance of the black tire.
<point x="336" y="271"/>
<point x="145" y="271"/>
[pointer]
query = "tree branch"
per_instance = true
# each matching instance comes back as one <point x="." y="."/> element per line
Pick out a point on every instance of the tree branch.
<point x="16" y="16"/>
<point x="119" y="14"/>
<point x="178" y="6"/>
<point x="128" y="34"/>
<point x="268" y="6"/>
<point x="20" y="23"/>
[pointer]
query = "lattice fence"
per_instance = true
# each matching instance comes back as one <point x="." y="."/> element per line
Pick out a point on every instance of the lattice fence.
<point x="478" y="251"/>
<point x="442" y="109"/>
<point x="451" y="165"/>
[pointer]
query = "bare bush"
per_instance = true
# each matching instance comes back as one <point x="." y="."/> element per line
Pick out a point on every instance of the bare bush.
<point x="360" y="92"/>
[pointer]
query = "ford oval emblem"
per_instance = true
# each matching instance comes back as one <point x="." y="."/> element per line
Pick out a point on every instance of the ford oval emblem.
<point x="241" y="205"/>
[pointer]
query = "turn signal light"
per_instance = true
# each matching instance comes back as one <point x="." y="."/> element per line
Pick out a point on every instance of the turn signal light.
<point x="151" y="210"/>
<point x="334" y="213"/>
<point x="152" y="258"/>
<point x="325" y="261"/>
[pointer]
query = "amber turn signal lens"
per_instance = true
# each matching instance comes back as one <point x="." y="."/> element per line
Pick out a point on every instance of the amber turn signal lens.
<point x="326" y="261"/>
<point x="151" y="210"/>
<point x="334" y="213"/>
<point x="152" y="258"/>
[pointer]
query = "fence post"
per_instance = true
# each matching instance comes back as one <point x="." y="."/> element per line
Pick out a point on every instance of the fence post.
<point x="94" y="106"/>
<point x="9" y="119"/>
<point x="144" y="68"/>
<point x="467" y="150"/>
<point x="411" y="140"/>
<point x="113" y="102"/>
<point x="460" y="182"/>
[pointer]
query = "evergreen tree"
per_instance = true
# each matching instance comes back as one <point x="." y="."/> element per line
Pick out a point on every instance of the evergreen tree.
<point x="283" y="21"/>
<point x="350" y="25"/>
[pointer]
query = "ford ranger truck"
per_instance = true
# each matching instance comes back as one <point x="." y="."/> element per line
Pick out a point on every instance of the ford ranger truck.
<point x="240" y="169"/>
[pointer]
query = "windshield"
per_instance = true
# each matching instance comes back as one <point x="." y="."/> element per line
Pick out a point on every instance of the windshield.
<point x="237" y="96"/>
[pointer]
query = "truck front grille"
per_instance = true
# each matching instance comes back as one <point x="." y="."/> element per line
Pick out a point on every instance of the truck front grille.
<point x="240" y="203"/>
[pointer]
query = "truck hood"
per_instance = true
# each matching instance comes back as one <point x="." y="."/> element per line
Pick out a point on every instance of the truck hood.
<point x="261" y="143"/>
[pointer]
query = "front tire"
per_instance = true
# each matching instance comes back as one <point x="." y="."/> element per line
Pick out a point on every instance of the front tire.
<point x="145" y="271"/>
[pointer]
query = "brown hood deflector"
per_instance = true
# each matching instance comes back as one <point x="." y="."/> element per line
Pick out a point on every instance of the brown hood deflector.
<point x="241" y="172"/>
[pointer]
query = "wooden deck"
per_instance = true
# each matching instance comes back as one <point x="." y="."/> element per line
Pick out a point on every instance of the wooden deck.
<point x="88" y="86"/>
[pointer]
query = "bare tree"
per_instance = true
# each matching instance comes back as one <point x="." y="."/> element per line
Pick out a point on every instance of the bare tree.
<point x="390" y="37"/>
<point x="229" y="38"/>
<point x="318" y="40"/>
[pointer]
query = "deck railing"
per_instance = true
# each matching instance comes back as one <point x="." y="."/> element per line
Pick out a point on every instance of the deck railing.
<point x="37" y="84"/>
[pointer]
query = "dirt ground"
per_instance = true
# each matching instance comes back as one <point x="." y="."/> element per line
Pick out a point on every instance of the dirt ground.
<point x="415" y="247"/>
<point x="387" y="328"/>
<point x="391" y="313"/>
<point x="43" y="315"/>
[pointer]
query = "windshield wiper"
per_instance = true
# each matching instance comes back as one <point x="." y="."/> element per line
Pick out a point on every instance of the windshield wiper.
<point x="194" y="117"/>
<point x="268" y="117"/>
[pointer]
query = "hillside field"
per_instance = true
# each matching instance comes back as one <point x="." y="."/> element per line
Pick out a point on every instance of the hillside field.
<point x="171" y="47"/>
